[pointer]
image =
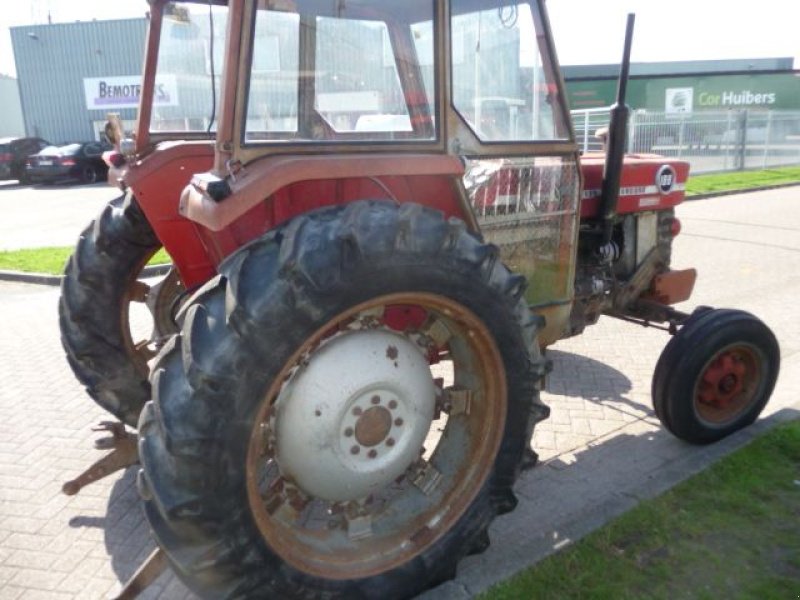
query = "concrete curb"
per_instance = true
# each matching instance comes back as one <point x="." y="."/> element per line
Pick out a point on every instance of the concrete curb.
<point x="763" y="188"/>
<point x="55" y="280"/>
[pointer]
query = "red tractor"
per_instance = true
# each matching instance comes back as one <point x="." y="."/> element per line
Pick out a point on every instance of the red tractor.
<point x="378" y="217"/>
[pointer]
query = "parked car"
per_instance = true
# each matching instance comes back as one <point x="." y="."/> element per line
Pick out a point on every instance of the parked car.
<point x="13" y="153"/>
<point x="82" y="161"/>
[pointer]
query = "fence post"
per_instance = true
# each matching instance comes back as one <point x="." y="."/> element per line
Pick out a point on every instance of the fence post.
<point x="742" y="141"/>
<point x="681" y="129"/>
<point x="766" y="139"/>
<point x="728" y="135"/>
<point x="632" y="132"/>
<point x="586" y="132"/>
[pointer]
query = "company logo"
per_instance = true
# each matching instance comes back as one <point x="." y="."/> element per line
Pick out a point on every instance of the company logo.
<point x="741" y="98"/>
<point x="665" y="179"/>
<point x="103" y="93"/>
<point x="679" y="100"/>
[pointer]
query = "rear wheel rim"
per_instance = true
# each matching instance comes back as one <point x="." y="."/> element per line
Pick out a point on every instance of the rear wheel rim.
<point x="365" y="536"/>
<point x="728" y="384"/>
<point x="160" y="301"/>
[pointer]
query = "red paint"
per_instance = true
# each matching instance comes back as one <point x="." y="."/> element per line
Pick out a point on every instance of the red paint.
<point x="304" y="196"/>
<point x="404" y="317"/>
<point x="157" y="182"/>
<point x="722" y="381"/>
<point x="639" y="172"/>
<point x="675" y="227"/>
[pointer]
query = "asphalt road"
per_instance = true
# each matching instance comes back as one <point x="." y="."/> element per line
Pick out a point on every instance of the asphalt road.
<point x="48" y="215"/>
<point x="602" y="448"/>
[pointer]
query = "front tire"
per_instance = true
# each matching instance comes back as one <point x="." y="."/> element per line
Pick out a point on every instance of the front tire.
<point x="288" y="450"/>
<point x="715" y="375"/>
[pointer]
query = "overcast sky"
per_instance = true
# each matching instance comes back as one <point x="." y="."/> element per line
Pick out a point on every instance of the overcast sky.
<point x="586" y="31"/>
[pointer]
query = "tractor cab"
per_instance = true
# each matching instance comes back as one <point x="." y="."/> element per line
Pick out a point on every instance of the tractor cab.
<point x="317" y="103"/>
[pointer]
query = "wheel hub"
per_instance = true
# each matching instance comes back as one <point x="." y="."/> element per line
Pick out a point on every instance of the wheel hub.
<point x="354" y="418"/>
<point x="722" y="381"/>
<point x="373" y="426"/>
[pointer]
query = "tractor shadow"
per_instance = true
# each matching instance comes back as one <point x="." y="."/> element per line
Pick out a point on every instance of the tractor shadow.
<point x="127" y="539"/>
<point x="581" y="380"/>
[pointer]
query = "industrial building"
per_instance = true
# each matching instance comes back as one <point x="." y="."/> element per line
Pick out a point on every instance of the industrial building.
<point x="11" y="122"/>
<point x="66" y="71"/>
<point x="61" y="67"/>
<point x="676" y="87"/>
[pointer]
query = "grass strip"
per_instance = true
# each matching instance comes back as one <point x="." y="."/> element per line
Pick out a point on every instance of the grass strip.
<point x="732" y="531"/>
<point x="741" y="180"/>
<point x="51" y="261"/>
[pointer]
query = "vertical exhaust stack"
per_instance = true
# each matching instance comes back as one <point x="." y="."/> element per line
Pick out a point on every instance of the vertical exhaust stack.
<point x="617" y="140"/>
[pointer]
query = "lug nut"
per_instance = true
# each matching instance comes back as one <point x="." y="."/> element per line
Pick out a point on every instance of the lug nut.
<point x="390" y="442"/>
<point x="348" y="432"/>
<point x="357" y="411"/>
<point x="376" y="399"/>
<point x="355" y="450"/>
<point x="398" y="422"/>
<point x="372" y="453"/>
<point x="392" y="404"/>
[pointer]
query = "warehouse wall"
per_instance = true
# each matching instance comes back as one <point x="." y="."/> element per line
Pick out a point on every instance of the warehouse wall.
<point x="11" y="122"/>
<point x="52" y="62"/>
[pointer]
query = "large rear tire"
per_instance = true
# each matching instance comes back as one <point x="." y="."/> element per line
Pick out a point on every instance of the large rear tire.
<point x="293" y="447"/>
<point x="100" y="283"/>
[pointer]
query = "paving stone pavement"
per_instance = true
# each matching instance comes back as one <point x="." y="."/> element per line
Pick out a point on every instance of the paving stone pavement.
<point x="602" y="447"/>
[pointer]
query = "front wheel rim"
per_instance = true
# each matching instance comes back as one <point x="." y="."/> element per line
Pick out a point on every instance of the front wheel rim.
<point x="729" y="384"/>
<point x="363" y="536"/>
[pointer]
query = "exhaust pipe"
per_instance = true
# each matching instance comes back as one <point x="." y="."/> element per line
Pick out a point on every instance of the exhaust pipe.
<point x="617" y="140"/>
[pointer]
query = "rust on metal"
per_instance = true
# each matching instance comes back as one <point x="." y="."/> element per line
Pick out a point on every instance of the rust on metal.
<point x="151" y="568"/>
<point x="373" y="426"/>
<point x="672" y="287"/>
<point x="728" y="385"/>
<point x="124" y="453"/>
<point x="457" y="401"/>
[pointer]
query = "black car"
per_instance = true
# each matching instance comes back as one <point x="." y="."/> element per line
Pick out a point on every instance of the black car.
<point x="82" y="161"/>
<point x="13" y="153"/>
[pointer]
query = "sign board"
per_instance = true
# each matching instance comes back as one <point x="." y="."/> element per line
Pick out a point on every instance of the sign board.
<point x="679" y="100"/>
<point x="104" y="93"/>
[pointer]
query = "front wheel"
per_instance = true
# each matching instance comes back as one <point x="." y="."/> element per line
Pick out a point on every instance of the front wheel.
<point x="345" y="410"/>
<point x="715" y="375"/>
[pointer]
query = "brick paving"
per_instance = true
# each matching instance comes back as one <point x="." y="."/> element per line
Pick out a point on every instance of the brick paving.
<point x="602" y="447"/>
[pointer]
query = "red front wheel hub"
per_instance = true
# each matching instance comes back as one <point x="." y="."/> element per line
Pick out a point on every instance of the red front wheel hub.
<point x="727" y="384"/>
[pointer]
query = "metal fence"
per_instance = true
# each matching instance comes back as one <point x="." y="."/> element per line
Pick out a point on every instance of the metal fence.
<point x="731" y="140"/>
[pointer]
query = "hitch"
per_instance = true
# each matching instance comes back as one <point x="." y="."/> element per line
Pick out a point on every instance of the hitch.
<point x="146" y="574"/>
<point x="124" y="453"/>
